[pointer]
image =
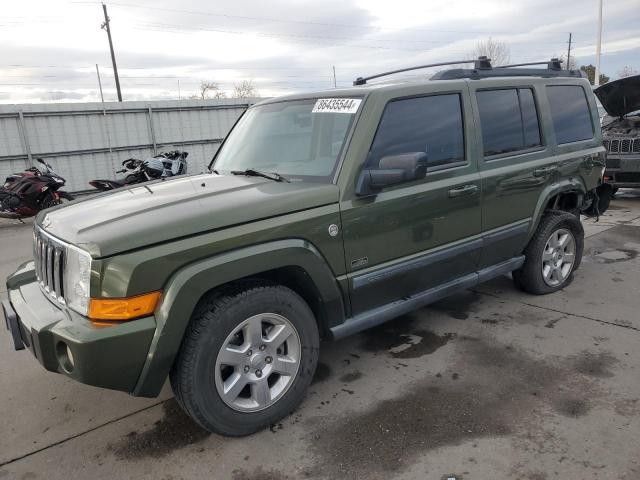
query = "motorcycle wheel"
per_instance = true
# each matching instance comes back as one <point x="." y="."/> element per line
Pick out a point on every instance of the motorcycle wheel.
<point x="131" y="179"/>
<point x="65" y="197"/>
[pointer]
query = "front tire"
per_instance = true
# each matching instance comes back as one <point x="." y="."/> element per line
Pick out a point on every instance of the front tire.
<point x="553" y="254"/>
<point x="247" y="358"/>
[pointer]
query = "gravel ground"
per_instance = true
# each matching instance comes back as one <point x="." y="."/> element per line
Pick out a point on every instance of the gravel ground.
<point x="488" y="384"/>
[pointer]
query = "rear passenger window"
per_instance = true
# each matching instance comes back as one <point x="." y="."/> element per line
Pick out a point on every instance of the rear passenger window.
<point x="570" y="113"/>
<point x="430" y="124"/>
<point x="509" y="120"/>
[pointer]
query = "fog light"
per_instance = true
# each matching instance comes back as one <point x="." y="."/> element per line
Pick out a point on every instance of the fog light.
<point x="70" y="356"/>
<point x="65" y="357"/>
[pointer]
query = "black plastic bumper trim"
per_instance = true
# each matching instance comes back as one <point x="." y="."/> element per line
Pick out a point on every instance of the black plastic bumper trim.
<point x="11" y="320"/>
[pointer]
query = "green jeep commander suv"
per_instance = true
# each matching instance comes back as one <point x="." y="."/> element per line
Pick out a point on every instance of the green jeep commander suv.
<point x="324" y="214"/>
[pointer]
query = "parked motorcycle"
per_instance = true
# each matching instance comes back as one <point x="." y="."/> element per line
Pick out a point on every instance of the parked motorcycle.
<point x="24" y="195"/>
<point x="164" y="165"/>
<point x="29" y="172"/>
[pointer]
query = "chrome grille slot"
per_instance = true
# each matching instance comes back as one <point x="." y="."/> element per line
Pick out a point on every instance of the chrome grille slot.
<point x="49" y="259"/>
<point x="622" y="145"/>
<point x="615" y="146"/>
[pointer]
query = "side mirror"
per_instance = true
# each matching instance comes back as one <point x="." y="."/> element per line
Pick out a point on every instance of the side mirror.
<point x="392" y="170"/>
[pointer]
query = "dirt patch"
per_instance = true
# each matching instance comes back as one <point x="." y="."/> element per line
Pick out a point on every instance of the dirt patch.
<point x="503" y="391"/>
<point x="389" y="335"/>
<point x="552" y="323"/>
<point x="613" y="255"/>
<point x="400" y="339"/>
<point x="423" y="342"/>
<point x="618" y="207"/>
<point x="258" y="474"/>
<point x="323" y="372"/>
<point x="351" y="377"/>
<point x="489" y="321"/>
<point x="457" y="306"/>
<point x="595" y="364"/>
<point x="571" y="407"/>
<point x="176" y="430"/>
<point x="627" y="407"/>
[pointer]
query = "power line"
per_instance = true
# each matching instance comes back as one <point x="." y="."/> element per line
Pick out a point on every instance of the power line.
<point x="301" y="22"/>
<point x="187" y="29"/>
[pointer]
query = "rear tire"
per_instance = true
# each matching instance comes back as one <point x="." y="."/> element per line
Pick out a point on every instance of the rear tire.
<point x="247" y="358"/>
<point x="65" y="197"/>
<point x="552" y="255"/>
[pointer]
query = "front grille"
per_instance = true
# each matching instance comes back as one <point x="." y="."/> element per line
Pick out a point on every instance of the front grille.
<point x="49" y="258"/>
<point x="622" y="145"/>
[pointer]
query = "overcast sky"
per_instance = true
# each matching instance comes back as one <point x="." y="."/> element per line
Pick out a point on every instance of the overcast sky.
<point x="49" y="48"/>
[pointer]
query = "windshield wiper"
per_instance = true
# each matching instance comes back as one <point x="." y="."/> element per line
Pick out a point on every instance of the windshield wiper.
<point x="250" y="172"/>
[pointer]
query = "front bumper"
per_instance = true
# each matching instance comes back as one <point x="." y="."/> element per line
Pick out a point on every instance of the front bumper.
<point x="109" y="357"/>
<point x="623" y="170"/>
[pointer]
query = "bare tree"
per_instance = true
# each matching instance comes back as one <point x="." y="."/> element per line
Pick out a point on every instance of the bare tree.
<point x="628" y="71"/>
<point x="496" y="50"/>
<point x="209" y="89"/>
<point x="573" y="65"/>
<point x="245" y="89"/>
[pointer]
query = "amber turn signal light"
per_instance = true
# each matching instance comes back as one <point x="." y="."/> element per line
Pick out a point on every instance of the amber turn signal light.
<point x="123" y="309"/>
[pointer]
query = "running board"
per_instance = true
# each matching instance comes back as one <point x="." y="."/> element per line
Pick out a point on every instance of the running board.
<point x="379" y="315"/>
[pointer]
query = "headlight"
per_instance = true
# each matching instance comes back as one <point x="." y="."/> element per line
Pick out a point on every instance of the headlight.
<point x="76" y="279"/>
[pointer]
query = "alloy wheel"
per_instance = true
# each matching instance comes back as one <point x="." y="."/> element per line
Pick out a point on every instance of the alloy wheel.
<point x="258" y="362"/>
<point x="558" y="257"/>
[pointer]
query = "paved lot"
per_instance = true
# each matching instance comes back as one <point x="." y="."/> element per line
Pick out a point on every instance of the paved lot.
<point x="489" y="384"/>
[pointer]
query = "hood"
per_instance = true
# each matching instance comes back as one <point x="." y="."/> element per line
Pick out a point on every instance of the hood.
<point x="160" y="211"/>
<point x="620" y="96"/>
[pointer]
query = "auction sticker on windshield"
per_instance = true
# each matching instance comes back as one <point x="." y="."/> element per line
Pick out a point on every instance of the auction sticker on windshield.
<point x="337" y="105"/>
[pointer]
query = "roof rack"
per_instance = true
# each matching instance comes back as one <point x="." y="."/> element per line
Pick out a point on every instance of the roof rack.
<point x="363" y="80"/>
<point x="553" y="64"/>
<point x="482" y="68"/>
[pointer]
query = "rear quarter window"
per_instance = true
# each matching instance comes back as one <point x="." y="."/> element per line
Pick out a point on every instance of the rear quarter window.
<point x="509" y="120"/>
<point x="570" y="113"/>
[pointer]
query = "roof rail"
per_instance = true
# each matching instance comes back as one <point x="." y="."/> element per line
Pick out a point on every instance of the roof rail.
<point x="553" y="64"/>
<point x="481" y="63"/>
<point x="482" y="68"/>
<point x="554" y="69"/>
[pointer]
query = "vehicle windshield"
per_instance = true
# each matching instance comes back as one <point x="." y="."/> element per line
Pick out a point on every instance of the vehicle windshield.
<point x="300" y="140"/>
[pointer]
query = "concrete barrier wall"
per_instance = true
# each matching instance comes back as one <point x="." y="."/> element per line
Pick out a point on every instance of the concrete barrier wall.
<point x="84" y="141"/>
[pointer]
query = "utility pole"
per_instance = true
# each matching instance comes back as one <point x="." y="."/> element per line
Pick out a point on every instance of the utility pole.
<point x="334" y="77"/>
<point x="596" y="80"/>
<point x="105" y="26"/>
<point x="100" y="85"/>
<point x="569" y="53"/>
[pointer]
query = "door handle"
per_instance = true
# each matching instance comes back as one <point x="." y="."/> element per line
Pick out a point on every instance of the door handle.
<point x="463" y="191"/>
<point x="542" y="171"/>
